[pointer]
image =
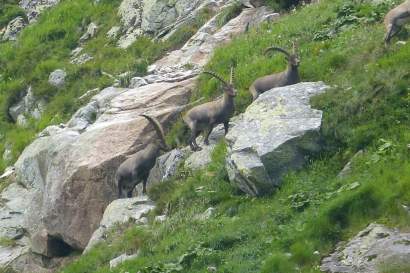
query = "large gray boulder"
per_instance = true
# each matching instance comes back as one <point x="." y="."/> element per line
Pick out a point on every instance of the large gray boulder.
<point x="120" y="211"/>
<point x="73" y="168"/>
<point x="98" y="104"/>
<point x="374" y="249"/>
<point x="157" y="17"/>
<point x="274" y="135"/>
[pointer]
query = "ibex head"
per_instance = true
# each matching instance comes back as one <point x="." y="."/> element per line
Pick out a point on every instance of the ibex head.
<point x="293" y="59"/>
<point x="228" y="87"/>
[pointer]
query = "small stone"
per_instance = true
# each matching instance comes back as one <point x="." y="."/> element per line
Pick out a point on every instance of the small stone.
<point x="160" y="218"/>
<point x="57" y="78"/>
<point x="211" y="269"/>
<point x="142" y="221"/>
<point x="13" y="29"/>
<point x="137" y="82"/>
<point x="90" y="33"/>
<point x="7" y="172"/>
<point x="76" y="51"/>
<point x="206" y="214"/>
<point x="122" y="258"/>
<point x="82" y="59"/>
<point x="113" y="32"/>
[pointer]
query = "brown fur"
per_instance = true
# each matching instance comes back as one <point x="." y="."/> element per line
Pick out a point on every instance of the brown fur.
<point x="287" y="77"/>
<point x="135" y="169"/>
<point x="204" y="117"/>
<point x="395" y="19"/>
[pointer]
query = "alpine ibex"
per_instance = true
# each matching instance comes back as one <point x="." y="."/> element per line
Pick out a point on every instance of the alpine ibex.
<point x="395" y="19"/>
<point x="204" y="117"/>
<point x="135" y="169"/>
<point x="287" y="77"/>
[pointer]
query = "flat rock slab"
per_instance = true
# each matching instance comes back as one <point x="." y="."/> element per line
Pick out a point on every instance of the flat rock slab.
<point x="273" y="136"/>
<point x="120" y="211"/>
<point x="374" y="249"/>
<point x="200" y="159"/>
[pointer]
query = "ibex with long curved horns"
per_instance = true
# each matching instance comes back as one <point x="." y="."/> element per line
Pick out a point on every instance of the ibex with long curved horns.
<point x="136" y="168"/>
<point x="204" y="117"/>
<point x="395" y="19"/>
<point x="287" y="77"/>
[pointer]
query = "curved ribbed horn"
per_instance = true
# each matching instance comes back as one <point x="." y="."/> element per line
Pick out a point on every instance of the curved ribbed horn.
<point x="231" y="76"/>
<point x="274" y="48"/>
<point x="158" y="128"/>
<point x="213" y="74"/>
<point x="295" y="47"/>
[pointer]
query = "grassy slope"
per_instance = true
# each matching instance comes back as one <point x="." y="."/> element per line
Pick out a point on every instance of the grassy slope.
<point x="367" y="108"/>
<point x="46" y="46"/>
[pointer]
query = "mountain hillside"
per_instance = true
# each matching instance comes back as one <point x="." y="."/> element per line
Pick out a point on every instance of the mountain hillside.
<point x="78" y="75"/>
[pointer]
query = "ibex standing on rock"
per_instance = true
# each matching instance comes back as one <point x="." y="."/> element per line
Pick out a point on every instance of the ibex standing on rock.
<point x="287" y="77"/>
<point x="395" y="19"/>
<point x="204" y="117"/>
<point x="136" y="169"/>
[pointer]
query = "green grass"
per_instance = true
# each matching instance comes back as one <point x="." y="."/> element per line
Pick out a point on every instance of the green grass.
<point x="6" y="242"/>
<point x="46" y="46"/>
<point x="9" y="9"/>
<point x="298" y="225"/>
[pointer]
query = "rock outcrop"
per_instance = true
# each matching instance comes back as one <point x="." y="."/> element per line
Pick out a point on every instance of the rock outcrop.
<point x="375" y="249"/>
<point x="13" y="29"/>
<point x="73" y="170"/>
<point x="274" y="135"/>
<point x="33" y="8"/>
<point x="202" y="158"/>
<point x="197" y="51"/>
<point x="166" y="165"/>
<point x="140" y="17"/>
<point x="15" y="251"/>
<point x="70" y="168"/>
<point x="120" y="211"/>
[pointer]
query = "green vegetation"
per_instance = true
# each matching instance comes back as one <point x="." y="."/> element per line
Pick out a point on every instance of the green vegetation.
<point x="9" y="9"/>
<point x="46" y="46"/>
<point x="290" y="231"/>
<point x="189" y="28"/>
<point x="5" y="242"/>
